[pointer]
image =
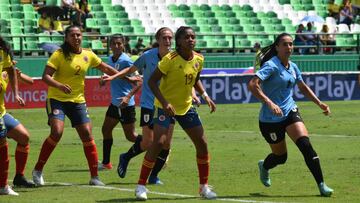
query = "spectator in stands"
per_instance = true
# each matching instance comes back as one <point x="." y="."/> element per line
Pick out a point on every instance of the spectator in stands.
<point x="68" y="6"/>
<point x="346" y="13"/>
<point x="127" y="45"/>
<point x="82" y="13"/>
<point x="273" y="85"/>
<point x="333" y="10"/>
<point x="311" y="38"/>
<point x="257" y="48"/>
<point x="45" y="23"/>
<point x="134" y="55"/>
<point x="139" y="46"/>
<point x="300" y="40"/>
<point x="327" y="39"/>
<point x="58" y="26"/>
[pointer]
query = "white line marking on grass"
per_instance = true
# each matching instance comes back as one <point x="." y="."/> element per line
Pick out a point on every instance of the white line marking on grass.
<point x="153" y="192"/>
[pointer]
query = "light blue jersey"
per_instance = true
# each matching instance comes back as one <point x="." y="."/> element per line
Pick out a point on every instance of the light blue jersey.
<point x="277" y="84"/>
<point x="120" y="87"/>
<point x="147" y="62"/>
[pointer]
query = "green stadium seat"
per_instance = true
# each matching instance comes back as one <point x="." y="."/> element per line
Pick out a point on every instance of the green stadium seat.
<point x="201" y="44"/>
<point x="4" y="2"/>
<point x="251" y="14"/>
<point x="202" y="21"/>
<point x="211" y="44"/>
<point x="124" y="21"/>
<point x="220" y="14"/>
<point x="116" y="29"/>
<point x="244" y="43"/>
<point x="308" y="7"/>
<point x="196" y="28"/>
<point x="4" y="8"/>
<point x="100" y="15"/>
<point x="18" y="15"/>
<point x="102" y="22"/>
<point x="111" y="15"/>
<point x="228" y="29"/>
<point x="265" y="42"/>
<point x="172" y="7"/>
<point x="97" y="45"/>
<point x="247" y="7"/>
<point x="5" y="15"/>
<point x="16" y="23"/>
<point x="190" y="21"/>
<point x="122" y="15"/>
<point x="258" y="28"/>
<point x="248" y="28"/>
<point x="213" y="21"/>
<point x="86" y="44"/>
<point x="108" y="8"/>
<point x="237" y="28"/>
<point x="176" y="14"/>
<point x="223" y="44"/>
<point x="255" y="21"/>
<point x="16" y="31"/>
<point x="4" y="23"/>
<point x="199" y="14"/>
<point x="226" y="7"/>
<point x="188" y="14"/>
<point x="233" y="21"/>
<point x="97" y="7"/>
<point x="44" y="38"/>
<point x="91" y="23"/>
<point x="139" y="30"/>
<point x="205" y="7"/>
<point x="105" y="30"/>
<point x="103" y="2"/>
<point x="216" y="8"/>
<point x="136" y="22"/>
<point x="114" y="22"/>
<point x="271" y="14"/>
<point x="236" y="7"/>
<point x="128" y="29"/>
<point x="15" y="2"/>
<point x="118" y="8"/>
<point x="209" y="14"/>
<point x="286" y="21"/>
<point x="275" y="21"/>
<point x="52" y="3"/>
<point x="261" y="15"/>
<point x="29" y="15"/>
<point x="183" y="7"/>
<point x="215" y="28"/>
<point x="28" y="8"/>
<point x="230" y="14"/>
<point x="194" y="7"/>
<point x="93" y="2"/>
<point x="223" y="21"/>
<point x="279" y="28"/>
<point x="30" y="30"/>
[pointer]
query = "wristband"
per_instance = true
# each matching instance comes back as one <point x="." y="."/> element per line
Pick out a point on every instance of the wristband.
<point x="204" y="95"/>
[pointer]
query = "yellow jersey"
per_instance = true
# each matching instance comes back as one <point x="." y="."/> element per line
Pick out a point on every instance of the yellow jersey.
<point x="5" y="62"/>
<point x="178" y="80"/>
<point x="46" y="23"/>
<point x="71" y="72"/>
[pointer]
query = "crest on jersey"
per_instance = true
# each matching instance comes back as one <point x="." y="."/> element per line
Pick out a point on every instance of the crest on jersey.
<point x="196" y="66"/>
<point x="161" y="118"/>
<point x="146" y="118"/>
<point x="56" y="111"/>
<point x="86" y="59"/>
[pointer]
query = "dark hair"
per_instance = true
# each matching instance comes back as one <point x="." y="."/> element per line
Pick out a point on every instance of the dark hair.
<point x="179" y="32"/>
<point x="66" y="47"/>
<point x="116" y="36"/>
<point x="268" y="52"/>
<point x="158" y="34"/>
<point x="81" y="3"/>
<point x="5" y="46"/>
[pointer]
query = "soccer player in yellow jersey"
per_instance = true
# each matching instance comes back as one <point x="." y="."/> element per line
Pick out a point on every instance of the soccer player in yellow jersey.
<point x="178" y="72"/>
<point x="10" y="127"/>
<point x="65" y="74"/>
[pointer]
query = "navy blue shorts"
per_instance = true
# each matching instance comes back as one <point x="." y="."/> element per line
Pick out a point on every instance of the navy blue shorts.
<point x="275" y="132"/>
<point x="147" y="118"/>
<point x="76" y="112"/>
<point x="124" y="115"/>
<point x="7" y="123"/>
<point x="189" y="120"/>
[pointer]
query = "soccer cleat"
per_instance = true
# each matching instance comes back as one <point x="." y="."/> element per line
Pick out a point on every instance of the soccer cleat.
<point x="20" y="181"/>
<point x="264" y="174"/>
<point x="123" y="163"/>
<point x="325" y="190"/>
<point x="206" y="192"/>
<point x="96" y="181"/>
<point x="8" y="191"/>
<point x="140" y="192"/>
<point x="155" y="180"/>
<point x="102" y="166"/>
<point x="38" y="178"/>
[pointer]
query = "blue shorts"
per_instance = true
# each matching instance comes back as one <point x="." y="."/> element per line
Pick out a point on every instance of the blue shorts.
<point x="76" y="112"/>
<point x="7" y="123"/>
<point x="147" y="116"/>
<point x="189" y="120"/>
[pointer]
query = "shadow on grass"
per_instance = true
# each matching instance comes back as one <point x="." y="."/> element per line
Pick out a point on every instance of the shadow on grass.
<point x="151" y="198"/>
<point x="277" y="196"/>
<point x="73" y="170"/>
<point x="123" y="183"/>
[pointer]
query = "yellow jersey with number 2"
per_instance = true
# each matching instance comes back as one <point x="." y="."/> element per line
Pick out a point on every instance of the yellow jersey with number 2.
<point x="178" y="80"/>
<point x="72" y="72"/>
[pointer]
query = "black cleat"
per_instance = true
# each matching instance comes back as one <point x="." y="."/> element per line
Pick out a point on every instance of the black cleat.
<point x="20" y="181"/>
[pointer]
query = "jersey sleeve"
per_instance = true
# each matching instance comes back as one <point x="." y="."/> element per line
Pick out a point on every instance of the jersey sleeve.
<point x="54" y="60"/>
<point x="126" y="63"/>
<point x="297" y="73"/>
<point x="164" y="65"/>
<point x="266" y="71"/>
<point x="95" y="61"/>
<point x="140" y="62"/>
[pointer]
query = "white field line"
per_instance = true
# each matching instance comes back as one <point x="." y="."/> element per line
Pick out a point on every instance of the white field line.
<point x="242" y="132"/>
<point x="153" y="192"/>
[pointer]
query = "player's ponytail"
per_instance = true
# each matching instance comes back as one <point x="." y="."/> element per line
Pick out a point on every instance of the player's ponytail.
<point x="5" y="46"/>
<point x="268" y="52"/>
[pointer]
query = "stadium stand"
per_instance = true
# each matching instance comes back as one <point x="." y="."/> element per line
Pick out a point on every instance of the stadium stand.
<point x="226" y="25"/>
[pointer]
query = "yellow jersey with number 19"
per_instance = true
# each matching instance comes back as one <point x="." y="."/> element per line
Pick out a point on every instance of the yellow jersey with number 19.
<point x="5" y="62"/>
<point x="178" y="80"/>
<point x="72" y="72"/>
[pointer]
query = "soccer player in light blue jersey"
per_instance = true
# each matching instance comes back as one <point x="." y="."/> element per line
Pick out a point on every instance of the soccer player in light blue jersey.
<point x="147" y="63"/>
<point x="122" y="107"/>
<point x="273" y="85"/>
